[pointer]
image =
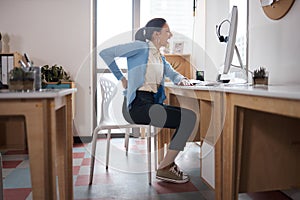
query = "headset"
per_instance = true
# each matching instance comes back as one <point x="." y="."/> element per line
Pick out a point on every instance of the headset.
<point x="221" y="37"/>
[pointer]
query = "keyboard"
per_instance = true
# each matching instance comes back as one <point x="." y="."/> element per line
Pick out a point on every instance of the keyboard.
<point x="204" y="83"/>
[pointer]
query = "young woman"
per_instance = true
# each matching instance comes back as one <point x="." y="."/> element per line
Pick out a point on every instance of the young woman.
<point x="144" y="91"/>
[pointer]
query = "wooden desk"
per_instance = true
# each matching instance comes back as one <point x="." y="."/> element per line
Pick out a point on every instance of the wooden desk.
<point x="48" y="118"/>
<point x="255" y="132"/>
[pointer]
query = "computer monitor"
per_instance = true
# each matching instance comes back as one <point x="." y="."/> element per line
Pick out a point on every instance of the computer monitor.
<point x="231" y="40"/>
<point x="230" y="45"/>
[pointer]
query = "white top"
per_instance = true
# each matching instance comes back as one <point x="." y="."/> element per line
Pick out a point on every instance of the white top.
<point x="154" y="70"/>
<point x="43" y="93"/>
<point x="276" y="91"/>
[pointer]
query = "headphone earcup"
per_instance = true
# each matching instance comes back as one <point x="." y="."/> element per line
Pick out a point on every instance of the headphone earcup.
<point x="226" y="39"/>
<point x="221" y="38"/>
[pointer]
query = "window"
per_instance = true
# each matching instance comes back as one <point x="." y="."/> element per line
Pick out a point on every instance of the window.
<point x="114" y="17"/>
<point x="114" y="28"/>
<point x="179" y="15"/>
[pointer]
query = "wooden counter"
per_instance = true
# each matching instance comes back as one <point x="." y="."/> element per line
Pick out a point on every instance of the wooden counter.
<point x="48" y="119"/>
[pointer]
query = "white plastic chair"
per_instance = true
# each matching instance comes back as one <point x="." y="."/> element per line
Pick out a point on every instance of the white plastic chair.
<point x="108" y="92"/>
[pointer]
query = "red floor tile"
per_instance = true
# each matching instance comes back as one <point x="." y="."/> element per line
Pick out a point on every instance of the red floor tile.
<point x="77" y="145"/>
<point x="16" y="152"/>
<point x="18" y="193"/>
<point x="86" y="162"/>
<point x="11" y="164"/>
<point x="78" y="155"/>
<point x="76" y="170"/>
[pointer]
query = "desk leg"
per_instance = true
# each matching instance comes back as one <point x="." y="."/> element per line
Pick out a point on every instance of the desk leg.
<point x="64" y="150"/>
<point x="39" y="133"/>
<point x="227" y="186"/>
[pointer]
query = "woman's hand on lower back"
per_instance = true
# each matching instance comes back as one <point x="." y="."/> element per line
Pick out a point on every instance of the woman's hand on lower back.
<point x="124" y="82"/>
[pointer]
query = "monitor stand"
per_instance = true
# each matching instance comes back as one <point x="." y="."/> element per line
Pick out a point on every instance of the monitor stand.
<point x="225" y="78"/>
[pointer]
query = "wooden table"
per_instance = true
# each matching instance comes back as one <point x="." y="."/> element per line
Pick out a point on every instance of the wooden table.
<point x="48" y="118"/>
<point x="255" y="133"/>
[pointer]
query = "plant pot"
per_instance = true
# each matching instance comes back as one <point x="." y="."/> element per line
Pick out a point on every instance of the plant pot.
<point x="58" y="85"/>
<point x="15" y="85"/>
<point x="260" y="81"/>
<point x="25" y="82"/>
<point x="29" y="84"/>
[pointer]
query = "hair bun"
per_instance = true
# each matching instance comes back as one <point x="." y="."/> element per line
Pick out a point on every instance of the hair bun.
<point x="140" y="34"/>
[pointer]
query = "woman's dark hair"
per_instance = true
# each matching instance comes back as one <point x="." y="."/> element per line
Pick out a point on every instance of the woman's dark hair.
<point x="146" y="32"/>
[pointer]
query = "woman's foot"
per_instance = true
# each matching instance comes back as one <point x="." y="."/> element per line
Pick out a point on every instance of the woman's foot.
<point x="172" y="173"/>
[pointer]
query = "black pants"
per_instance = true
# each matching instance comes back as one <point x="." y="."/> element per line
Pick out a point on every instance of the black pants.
<point x="144" y="111"/>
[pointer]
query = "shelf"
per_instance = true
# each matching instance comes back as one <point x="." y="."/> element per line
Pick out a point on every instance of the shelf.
<point x="181" y="63"/>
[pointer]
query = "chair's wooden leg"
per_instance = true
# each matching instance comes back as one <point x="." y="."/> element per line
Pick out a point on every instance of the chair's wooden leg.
<point x="108" y="147"/>
<point x="1" y="179"/>
<point x="127" y="140"/>
<point x="149" y="154"/>
<point x="93" y="153"/>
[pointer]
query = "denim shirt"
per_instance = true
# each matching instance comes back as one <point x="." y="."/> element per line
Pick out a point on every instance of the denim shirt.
<point x="137" y="58"/>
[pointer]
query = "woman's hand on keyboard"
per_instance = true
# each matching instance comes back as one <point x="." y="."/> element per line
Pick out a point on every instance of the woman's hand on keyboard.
<point x="185" y="82"/>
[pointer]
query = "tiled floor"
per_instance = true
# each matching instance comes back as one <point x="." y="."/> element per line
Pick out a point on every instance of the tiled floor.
<point x="125" y="179"/>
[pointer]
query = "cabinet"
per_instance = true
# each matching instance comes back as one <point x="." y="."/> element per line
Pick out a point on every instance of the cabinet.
<point x="12" y="128"/>
<point x="181" y="63"/>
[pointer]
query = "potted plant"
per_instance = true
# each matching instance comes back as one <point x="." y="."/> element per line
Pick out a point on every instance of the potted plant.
<point x="54" y="75"/>
<point x="16" y="76"/>
<point x="260" y="76"/>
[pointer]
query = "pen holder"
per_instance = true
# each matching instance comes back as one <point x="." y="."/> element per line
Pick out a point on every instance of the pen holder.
<point x="29" y="80"/>
<point x="261" y="81"/>
<point x="38" y="77"/>
<point x="260" y="76"/>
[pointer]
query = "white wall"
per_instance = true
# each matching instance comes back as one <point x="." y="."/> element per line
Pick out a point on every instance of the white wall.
<point x="210" y="56"/>
<point x="275" y="44"/>
<point x="54" y="32"/>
